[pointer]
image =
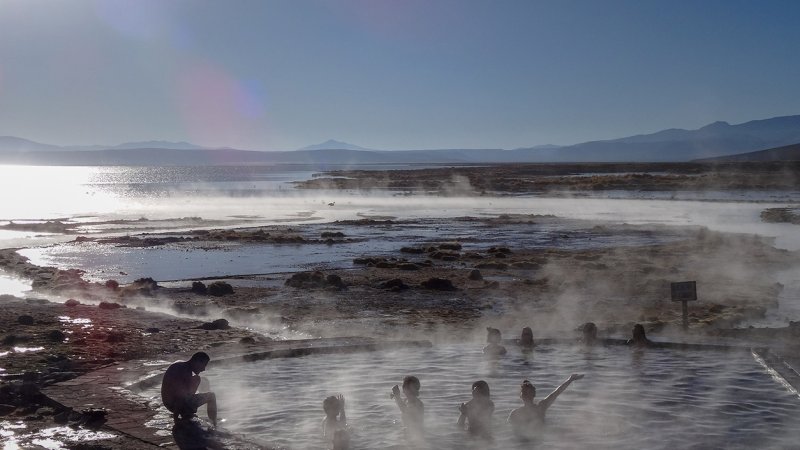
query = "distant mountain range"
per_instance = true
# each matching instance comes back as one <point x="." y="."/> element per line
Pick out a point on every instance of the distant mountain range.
<point x="714" y="141"/>
<point x="331" y="144"/>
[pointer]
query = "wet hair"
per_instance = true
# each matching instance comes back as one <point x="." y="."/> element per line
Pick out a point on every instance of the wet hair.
<point x="638" y="333"/>
<point x="527" y="386"/>
<point x="526" y="338"/>
<point x="493" y="335"/>
<point x="331" y="405"/>
<point x="200" y="356"/>
<point x="412" y="383"/>
<point x="480" y="386"/>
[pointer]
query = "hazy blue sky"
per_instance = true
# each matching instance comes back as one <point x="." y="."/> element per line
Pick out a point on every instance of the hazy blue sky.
<point x="390" y="74"/>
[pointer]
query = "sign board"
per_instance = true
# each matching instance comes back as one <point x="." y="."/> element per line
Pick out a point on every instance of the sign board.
<point x="684" y="291"/>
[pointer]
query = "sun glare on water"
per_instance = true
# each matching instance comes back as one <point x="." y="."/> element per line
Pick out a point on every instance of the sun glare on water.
<point x="44" y="192"/>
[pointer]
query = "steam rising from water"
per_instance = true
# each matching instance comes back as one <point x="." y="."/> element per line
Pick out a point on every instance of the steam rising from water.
<point x="628" y="400"/>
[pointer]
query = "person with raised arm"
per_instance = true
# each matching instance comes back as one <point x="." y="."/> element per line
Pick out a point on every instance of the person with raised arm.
<point x="531" y="415"/>
<point x="334" y="425"/>
<point x="411" y="407"/>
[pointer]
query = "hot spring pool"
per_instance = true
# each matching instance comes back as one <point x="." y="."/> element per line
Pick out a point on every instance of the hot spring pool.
<point x="629" y="399"/>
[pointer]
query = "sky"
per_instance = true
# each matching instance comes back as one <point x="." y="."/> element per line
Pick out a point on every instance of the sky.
<point x="400" y="74"/>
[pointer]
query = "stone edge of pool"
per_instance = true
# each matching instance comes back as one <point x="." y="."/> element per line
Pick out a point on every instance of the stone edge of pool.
<point x="111" y="387"/>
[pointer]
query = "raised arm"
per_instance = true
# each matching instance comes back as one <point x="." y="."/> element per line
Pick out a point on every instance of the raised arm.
<point x="462" y="419"/>
<point x="397" y="399"/>
<point x="342" y="415"/>
<point x="544" y="404"/>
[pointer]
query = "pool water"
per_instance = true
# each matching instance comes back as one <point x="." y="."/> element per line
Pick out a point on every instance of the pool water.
<point x="629" y="399"/>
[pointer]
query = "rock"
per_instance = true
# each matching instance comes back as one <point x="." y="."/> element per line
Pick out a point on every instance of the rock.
<point x="394" y="285"/>
<point x="25" y="320"/>
<point x="56" y="336"/>
<point x="335" y="281"/>
<point x="219" y="324"/>
<point x="151" y="330"/>
<point x="408" y="266"/>
<point x="220" y="288"/>
<point x="142" y="286"/>
<point x="45" y="411"/>
<point x="332" y="234"/>
<point x="412" y="250"/>
<point x="475" y="274"/>
<point x="71" y="303"/>
<point x="445" y="256"/>
<point x="198" y="287"/>
<point x="12" y="339"/>
<point x="385" y="265"/>
<point x="93" y="418"/>
<point x="110" y="305"/>
<point x="307" y="280"/>
<point x="439" y="284"/>
<point x="247" y="340"/>
<point x="112" y="285"/>
<point x="450" y="246"/>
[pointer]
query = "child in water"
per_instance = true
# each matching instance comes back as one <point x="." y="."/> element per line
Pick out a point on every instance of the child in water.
<point x="334" y="426"/>
<point x="494" y="338"/>
<point x="478" y="411"/>
<point x="526" y="419"/>
<point x="411" y="408"/>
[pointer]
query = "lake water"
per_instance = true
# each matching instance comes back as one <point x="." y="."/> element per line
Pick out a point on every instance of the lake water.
<point x="629" y="399"/>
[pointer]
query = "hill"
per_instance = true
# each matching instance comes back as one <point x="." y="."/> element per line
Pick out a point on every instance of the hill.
<point x="672" y="145"/>
<point x="785" y="153"/>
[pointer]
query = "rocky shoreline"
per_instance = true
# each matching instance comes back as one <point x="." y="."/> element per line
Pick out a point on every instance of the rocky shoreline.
<point x="527" y="178"/>
<point x="435" y="289"/>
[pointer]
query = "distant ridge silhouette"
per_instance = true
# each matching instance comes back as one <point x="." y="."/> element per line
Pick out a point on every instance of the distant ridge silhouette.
<point x="785" y="153"/>
<point x="331" y="144"/>
<point x="718" y="139"/>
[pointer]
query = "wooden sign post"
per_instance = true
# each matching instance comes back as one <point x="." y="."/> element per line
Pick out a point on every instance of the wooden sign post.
<point x="684" y="291"/>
